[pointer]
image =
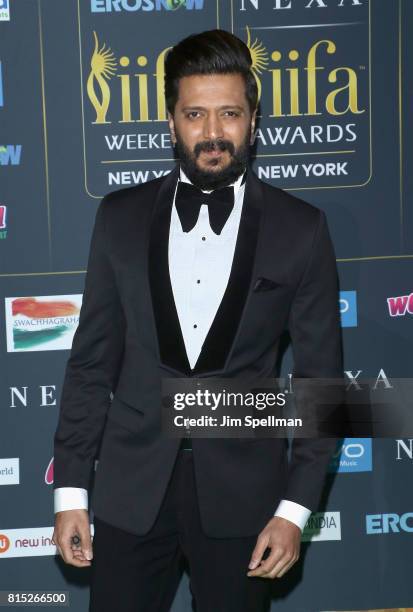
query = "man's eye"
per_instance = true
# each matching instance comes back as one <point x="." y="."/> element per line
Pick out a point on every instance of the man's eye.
<point x="232" y="113"/>
<point x="192" y="114"/>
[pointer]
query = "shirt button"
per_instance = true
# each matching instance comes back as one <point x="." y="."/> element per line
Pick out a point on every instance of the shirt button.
<point x="198" y="281"/>
<point x="203" y="238"/>
<point x="195" y="325"/>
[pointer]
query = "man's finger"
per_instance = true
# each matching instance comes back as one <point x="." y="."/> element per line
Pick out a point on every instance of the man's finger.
<point x="276" y="557"/>
<point x="280" y="568"/>
<point x="65" y="549"/>
<point x="266" y="566"/>
<point x="280" y="573"/>
<point x="69" y="556"/>
<point x="257" y="553"/>
<point x="85" y="541"/>
<point x="63" y="545"/>
<point x="78" y="554"/>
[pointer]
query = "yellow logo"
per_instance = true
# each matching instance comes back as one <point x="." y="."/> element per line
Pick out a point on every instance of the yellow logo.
<point x="284" y="83"/>
<point x="259" y="58"/>
<point x="103" y="67"/>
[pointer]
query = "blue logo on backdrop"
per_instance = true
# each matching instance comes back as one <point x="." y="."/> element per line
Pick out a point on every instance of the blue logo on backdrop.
<point x="109" y="6"/>
<point x="4" y="10"/>
<point x="10" y="155"/>
<point x="389" y="523"/>
<point x="352" y="455"/>
<point x="1" y="87"/>
<point x="348" y="308"/>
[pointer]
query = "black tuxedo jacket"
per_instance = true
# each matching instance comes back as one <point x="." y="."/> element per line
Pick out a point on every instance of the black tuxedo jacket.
<point x="129" y="337"/>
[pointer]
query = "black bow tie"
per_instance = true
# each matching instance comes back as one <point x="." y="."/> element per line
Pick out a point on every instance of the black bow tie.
<point x="190" y="198"/>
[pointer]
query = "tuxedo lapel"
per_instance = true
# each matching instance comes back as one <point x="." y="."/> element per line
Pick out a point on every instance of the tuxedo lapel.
<point x="170" y="340"/>
<point x="223" y="331"/>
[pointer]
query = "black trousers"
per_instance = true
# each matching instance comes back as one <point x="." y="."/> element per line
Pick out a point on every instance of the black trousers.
<point x="131" y="573"/>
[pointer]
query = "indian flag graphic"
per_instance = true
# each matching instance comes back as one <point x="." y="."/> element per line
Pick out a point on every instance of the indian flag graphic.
<point x="41" y="323"/>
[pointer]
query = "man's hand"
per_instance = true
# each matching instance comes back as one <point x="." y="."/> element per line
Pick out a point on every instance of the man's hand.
<point x="69" y="523"/>
<point x="283" y="538"/>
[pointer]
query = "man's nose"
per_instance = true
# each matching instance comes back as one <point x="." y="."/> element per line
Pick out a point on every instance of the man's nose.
<point x="213" y="127"/>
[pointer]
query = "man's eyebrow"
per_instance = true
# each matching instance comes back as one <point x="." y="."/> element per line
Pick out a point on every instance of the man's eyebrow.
<point x="226" y="106"/>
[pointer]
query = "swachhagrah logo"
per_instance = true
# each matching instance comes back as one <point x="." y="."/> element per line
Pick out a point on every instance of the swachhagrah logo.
<point x="41" y="323"/>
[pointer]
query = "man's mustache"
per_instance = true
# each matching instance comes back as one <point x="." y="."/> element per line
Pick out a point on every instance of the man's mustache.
<point x="211" y="145"/>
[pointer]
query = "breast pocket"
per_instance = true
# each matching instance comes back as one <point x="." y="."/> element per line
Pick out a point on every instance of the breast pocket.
<point x="264" y="284"/>
<point x="268" y="309"/>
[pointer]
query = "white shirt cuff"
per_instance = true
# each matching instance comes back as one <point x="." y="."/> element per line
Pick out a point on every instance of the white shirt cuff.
<point x="296" y="513"/>
<point x="70" y="498"/>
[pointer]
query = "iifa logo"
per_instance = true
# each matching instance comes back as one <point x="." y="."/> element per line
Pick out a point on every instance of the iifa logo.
<point x="4" y="10"/>
<point x="352" y="455"/>
<point x="109" y="6"/>
<point x="389" y="523"/>
<point x="10" y="155"/>
<point x="3" y="221"/>
<point x="104" y="65"/>
<point x="401" y="305"/>
<point x="348" y="308"/>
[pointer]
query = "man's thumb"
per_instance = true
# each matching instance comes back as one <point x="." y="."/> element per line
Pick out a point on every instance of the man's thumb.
<point x="86" y="541"/>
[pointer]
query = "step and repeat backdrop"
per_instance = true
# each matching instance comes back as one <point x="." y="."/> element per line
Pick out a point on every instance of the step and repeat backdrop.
<point x="82" y="113"/>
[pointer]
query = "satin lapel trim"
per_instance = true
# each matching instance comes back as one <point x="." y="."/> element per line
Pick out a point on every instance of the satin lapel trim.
<point x="224" y="330"/>
<point x="171" y="344"/>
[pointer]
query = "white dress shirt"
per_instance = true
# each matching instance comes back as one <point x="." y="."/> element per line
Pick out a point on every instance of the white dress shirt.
<point x="200" y="263"/>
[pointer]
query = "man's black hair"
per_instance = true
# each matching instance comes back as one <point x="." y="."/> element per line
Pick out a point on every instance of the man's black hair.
<point x="209" y="52"/>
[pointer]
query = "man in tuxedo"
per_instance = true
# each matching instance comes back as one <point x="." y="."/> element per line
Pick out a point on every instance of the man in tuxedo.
<point x="195" y="274"/>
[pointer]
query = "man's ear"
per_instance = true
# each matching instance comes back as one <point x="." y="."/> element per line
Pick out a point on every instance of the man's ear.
<point x="253" y="117"/>
<point x="171" y="123"/>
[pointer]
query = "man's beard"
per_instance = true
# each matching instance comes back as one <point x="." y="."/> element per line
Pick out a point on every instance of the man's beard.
<point x="205" y="179"/>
